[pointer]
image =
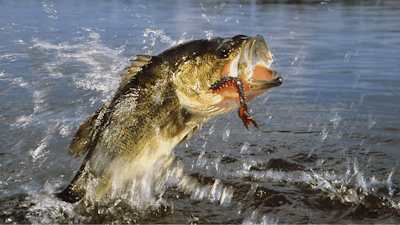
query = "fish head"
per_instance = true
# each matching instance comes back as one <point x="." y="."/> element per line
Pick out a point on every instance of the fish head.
<point x="226" y="73"/>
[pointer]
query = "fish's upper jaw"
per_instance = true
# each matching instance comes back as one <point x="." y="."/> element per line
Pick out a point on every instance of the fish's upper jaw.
<point x="254" y="53"/>
<point x="260" y="53"/>
<point x="251" y="65"/>
<point x="252" y="62"/>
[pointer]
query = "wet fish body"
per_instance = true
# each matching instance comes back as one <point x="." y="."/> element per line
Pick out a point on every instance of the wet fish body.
<point x="161" y="102"/>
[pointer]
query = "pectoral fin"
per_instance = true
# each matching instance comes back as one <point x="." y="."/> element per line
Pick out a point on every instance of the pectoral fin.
<point x="188" y="136"/>
<point x="85" y="135"/>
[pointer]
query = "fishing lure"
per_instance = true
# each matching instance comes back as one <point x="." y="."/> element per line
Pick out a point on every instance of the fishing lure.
<point x="237" y="83"/>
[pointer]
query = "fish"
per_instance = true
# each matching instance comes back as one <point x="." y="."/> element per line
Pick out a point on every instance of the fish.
<point x="161" y="102"/>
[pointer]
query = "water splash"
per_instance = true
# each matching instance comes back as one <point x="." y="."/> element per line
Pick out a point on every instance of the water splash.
<point x="154" y="35"/>
<point x="324" y="134"/>
<point x="299" y="58"/>
<point x="253" y="219"/>
<point x="226" y="197"/>
<point x="141" y="200"/>
<point x="204" y="15"/>
<point x="335" y="119"/>
<point x="360" y="101"/>
<point x="351" y="188"/>
<point x="98" y="74"/>
<point x="245" y="146"/>
<point x="209" y="34"/>
<point x="371" y="121"/>
<point x="226" y="133"/>
<point x="49" y="8"/>
<point x="347" y="56"/>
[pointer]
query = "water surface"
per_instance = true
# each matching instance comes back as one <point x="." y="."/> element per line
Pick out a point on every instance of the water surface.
<point x="328" y="150"/>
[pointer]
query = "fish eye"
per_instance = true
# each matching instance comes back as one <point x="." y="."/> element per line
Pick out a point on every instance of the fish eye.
<point x="224" y="54"/>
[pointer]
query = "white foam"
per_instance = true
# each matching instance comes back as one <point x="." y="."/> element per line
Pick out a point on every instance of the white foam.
<point x="351" y="187"/>
<point x="103" y="64"/>
<point x="254" y="218"/>
<point x="155" y="35"/>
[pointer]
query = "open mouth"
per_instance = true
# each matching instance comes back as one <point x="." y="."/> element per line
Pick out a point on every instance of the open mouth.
<point x="251" y="67"/>
<point x="252" y="64"/>
<point x="247" y="76"/>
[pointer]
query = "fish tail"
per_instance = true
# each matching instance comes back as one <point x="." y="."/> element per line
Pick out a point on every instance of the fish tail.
<point x="72" y="193"/>
<point x="68" y="195"/>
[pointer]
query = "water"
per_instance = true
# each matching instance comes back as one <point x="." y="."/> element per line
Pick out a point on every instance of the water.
<point x="330" y="133"/>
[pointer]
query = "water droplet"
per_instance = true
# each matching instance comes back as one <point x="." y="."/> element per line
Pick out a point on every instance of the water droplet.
<point x="311" y="152"/>
<point x="226" y="197"/>
<point x="211" y="130"/>
<point x="356" y="81"/>
<point x="187" y="144"/>
<point x="339" y="135"/>
<point x="205" y="17"/>
<point x="209" y="34"/>
<point x="347" y="56"/>
<point x="226" y="133"/>
<point x="244" y="148"/>
<point x="371" y="122"/>
<point x="335" y="119"/>
<point x="324" y="134"/>
<point x="201" y="162"/>
<point x="216" y="191"/>
<point x="361" y="98"/>
<point x="221" y="6"/>
<point x="268" y="119"/>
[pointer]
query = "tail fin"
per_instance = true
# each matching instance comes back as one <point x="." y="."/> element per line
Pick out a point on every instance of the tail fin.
<point x="68" y="195"/>
<point x="72" y="193"/>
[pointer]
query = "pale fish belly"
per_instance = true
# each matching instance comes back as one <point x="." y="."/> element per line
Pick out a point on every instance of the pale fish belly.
<point x="137" y="179"/>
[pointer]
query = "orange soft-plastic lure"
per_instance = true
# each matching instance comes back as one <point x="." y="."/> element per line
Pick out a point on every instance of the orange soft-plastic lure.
<point x="242" y="112"/>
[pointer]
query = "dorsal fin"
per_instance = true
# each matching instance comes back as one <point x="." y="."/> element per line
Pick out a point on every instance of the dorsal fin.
<point x="136" y="66"/>
<point x="143" y="58"/>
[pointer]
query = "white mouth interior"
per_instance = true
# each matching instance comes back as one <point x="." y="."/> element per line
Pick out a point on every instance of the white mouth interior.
<point x="233" y="69"/>
<point x="252" y="54"/>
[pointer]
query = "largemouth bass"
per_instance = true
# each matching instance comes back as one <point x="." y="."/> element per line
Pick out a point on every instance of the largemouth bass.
<point x="161" y="102"/>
